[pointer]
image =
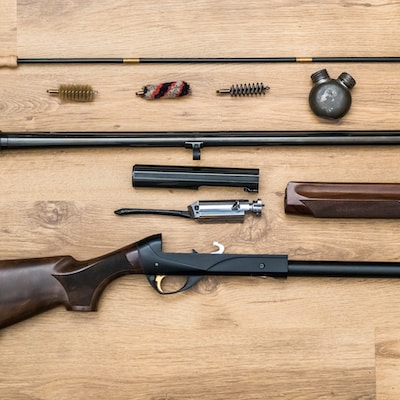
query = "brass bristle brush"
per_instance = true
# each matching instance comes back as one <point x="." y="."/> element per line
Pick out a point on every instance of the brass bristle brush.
<point x="80" y="93"/>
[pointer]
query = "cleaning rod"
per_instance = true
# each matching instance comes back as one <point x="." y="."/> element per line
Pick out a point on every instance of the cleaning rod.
<point x="13" y="61"/>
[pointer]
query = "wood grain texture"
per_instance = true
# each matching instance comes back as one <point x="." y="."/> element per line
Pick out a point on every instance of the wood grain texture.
<point x="387" y="362"/>
<point x="8" y="27"/>
<point x="241" y="338"/>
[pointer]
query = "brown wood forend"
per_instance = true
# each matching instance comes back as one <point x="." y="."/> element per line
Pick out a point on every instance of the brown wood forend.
<point x="343" y="200"/>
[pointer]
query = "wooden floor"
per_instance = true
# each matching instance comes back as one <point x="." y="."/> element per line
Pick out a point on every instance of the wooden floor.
<point x="228" y="338"/>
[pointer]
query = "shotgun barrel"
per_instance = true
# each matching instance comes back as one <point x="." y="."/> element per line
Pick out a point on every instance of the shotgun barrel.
<point x="197" y="140"/>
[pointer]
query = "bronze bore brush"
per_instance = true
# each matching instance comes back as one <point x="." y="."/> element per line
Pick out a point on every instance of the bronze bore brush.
<point x="80" y="93"/>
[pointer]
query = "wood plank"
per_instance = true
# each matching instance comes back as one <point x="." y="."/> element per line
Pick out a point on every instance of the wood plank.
<point x="8" y="27"/>
<point x="224" y="365"/>
<point x="229" y="337"/>
<point x="387" y="363"/>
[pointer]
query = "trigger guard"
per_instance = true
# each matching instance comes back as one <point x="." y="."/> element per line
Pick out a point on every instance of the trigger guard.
<point x="191" y="280"/>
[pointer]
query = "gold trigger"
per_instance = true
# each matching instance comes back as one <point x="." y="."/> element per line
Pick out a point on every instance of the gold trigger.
<point x="158" y="280"/>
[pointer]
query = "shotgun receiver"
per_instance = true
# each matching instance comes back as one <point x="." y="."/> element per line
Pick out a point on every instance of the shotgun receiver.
<point x="31" y="286"/>
<point x="343" y="200"/>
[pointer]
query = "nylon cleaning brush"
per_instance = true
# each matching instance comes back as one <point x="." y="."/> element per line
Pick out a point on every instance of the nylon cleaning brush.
<point x="80" y="93"/>
<point x="245" y="89"/>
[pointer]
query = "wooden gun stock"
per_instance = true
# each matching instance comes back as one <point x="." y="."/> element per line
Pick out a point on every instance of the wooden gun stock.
<point x="343" y="200"/>
<point x="29" y="287"/>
